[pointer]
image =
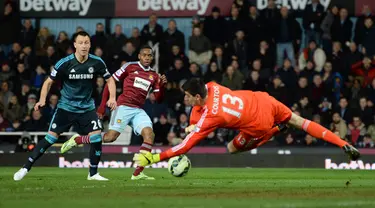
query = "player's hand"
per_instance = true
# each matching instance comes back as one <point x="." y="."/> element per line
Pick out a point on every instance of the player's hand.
<point x="189" y="129"/>
<point x="39" y="105"/>
<point x="143" y="158"/>
<point x="163" y="79"/>
<point x="111" y="103"/>
<point x="100" y="112"/>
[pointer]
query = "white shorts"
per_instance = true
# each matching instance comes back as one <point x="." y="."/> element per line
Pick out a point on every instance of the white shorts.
<point x="134" y="117"/>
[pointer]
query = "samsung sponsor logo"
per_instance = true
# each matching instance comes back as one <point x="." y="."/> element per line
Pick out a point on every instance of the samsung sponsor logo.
<point x="81" y="76"/>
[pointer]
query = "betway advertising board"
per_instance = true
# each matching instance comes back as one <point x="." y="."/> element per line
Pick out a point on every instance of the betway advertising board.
<point x="163" y="8"/>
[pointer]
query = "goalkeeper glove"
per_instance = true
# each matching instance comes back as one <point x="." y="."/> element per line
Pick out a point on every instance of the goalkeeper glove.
<point x="144" y="158"/>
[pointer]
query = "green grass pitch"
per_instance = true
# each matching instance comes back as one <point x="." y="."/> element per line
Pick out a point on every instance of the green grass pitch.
<point x="215" y="187"/>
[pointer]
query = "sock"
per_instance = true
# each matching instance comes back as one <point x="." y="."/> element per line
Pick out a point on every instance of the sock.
<point x="319" y="132"/>
<point x="85" y="139"/>
<point x="39" y="150"/>
<point x="147" y="147"/>
<point x="95" y="153"/>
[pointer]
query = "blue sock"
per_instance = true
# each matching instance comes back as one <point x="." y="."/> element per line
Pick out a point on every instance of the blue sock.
<point x="39" y="150"/>
<point x="95" y="153"/>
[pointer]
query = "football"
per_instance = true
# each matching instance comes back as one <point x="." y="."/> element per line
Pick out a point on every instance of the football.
<point x="179" y="166"/>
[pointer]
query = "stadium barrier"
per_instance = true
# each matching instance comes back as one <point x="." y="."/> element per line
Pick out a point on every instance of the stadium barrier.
<point x="308" y="160"/>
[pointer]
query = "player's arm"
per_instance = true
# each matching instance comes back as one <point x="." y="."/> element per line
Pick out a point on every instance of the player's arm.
<point x="118" y="76"/>
<point x="159" y="88"/>
<point x="47" y="85"/>
<point x="204" y="127"/>
<point x="111" y="86"/>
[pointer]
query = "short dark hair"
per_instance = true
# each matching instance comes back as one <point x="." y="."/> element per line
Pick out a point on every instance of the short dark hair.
<point x="80" y="33"/>
<point x="195" y="86"/>
<point x="146" y="47"/>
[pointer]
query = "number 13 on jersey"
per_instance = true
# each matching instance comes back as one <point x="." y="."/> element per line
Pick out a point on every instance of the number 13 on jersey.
<point x="233" y="105"/>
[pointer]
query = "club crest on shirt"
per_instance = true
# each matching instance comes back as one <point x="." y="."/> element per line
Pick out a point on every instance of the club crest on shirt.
<point x="91" y="70"/>
<point x="151" y="77"/>
<point x="118" y="120"/>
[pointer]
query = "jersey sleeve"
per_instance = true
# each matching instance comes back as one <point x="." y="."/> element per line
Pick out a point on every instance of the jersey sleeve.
<point x="206" y="124"/>
<point x="156" y="84"/>
<point x="195" y="115"/>
<point x="56" y="70"/>
<point x="122" y="72"/>
<point x="103" y="70"/>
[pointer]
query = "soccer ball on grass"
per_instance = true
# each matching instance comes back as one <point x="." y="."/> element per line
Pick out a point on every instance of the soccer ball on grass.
<point x="179" y="166"/>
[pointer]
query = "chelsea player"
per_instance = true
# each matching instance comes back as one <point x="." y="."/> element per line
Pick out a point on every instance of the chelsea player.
<point x="77" y="73"/>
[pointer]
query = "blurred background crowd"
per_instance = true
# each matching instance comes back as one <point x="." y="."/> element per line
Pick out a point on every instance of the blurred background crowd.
<point x="322" y="66"/>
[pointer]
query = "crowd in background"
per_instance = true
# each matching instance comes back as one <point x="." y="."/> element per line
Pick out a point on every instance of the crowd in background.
<point x="327" y="77"/>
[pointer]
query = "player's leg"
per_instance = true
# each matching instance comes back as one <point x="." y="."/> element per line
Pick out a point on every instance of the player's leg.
<point x="142" y="125"/>
<point x="90" y="124"/>
<point x="117" y="124"/>
<point x="319" y="132"/>
<point x="61" y="121"/>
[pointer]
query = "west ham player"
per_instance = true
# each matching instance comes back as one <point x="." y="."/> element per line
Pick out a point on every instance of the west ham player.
<point x="253" y="113"/>
<point x="77" y="73"/>
<point x="138" y="80"/>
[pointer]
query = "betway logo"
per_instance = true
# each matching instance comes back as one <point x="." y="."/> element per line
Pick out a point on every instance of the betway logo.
<point x="291" y="4"/>
<point x="175" y="5"/>
<point x="352" y="165"/>
<point x="80" y="6"/>
<point x="104" y="164"/>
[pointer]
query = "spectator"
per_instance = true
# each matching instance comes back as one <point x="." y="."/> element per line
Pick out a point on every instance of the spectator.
<point x="314" y="55"/>
<point x="234" y="23"/>
<point x="14" y="110"/>
<point x="5" y="94"/>
<point x="368" y="142"/>
<point x="288" y="75"/>
<point x="253" y="82"/>
<point x="195" y="71"/>
<point x="310" y="141"/>
<point x="196" y="22"/>
<point x="14" y="55"/>
<point x="360" y="27"/>
<point x="326" y="25"/>
<point x="325" y="111"/>
<point x="178" y="72"/>
<point x="353" y="56"/>
<point x="213" y="74"/>
<point x="371" y="130"/>
<point x="337" y="58"/>
<point x="215" y="28"/>
<point x="308" y="72"/>
<point x="370" y="92"/>
<point x="327" y="74"/>
<point x="239" y="48"/>
<point x="254" y="30"/>
<point x="264" y="73"/>
<point x="173" y="139"/>
<point x="97" y="94"/>
<point x="51" y="107"/>
<point x="172" y="95"/>
<point x="179" y="129"/>
<point x="199" y="48"/>
<point x="338" y="126"/>
<point x="29" y="107"/>
<point x="36" y="123"/>
<point x="318" y="90"/>
<point x="50" y="59"/>
<point x="356" y="131"/>
<point x="78" y="29"/>
<point x="100" y="38"/>
<point x="62" y="44"/>
<point x="43" y="40"/>
<point x="312" y="18"/>
<point x="232" y="79"/>
<point x="365" y="113"/>
<point x="266" y="55"/>
<point x="177" y="53"/>
<point x="128" y="54"/>
<point x="243" y="7"/>
<point x="303" y="89"/>
<point x="153" y="109"/>
<point x="277" y="90"/>
<point x="28" y="58"/>
<point x="4" y="123"/>
<point x="28" y="34"/>
<point x="304" y="107"/>
<point x="338" y="85"/>
<point x="286" y="32"/>
<point x="152" y="31"/>
<point x="345" y="112"/>
<point x="22" y="75"/>
<point x="270" y="14"/>
<point x="39" y="76"/>
<point x="135" y="38"/>
<point x="115" y="42"/>
<point x="366" y="72"/>
<point x="341" y="28"/>
<point x="219" y="58"/>
<point x="171" y="37"/>
<point x="24" y="93"/>
<point x="6" y="72"/>
<point x="11" y="21"/>
<point x="161" y="129"/>
<point x="367" y="38"/>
